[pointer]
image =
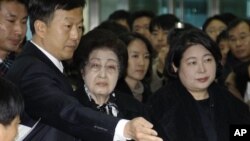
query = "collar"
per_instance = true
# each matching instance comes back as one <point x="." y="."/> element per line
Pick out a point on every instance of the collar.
<point x="55" y="61"/>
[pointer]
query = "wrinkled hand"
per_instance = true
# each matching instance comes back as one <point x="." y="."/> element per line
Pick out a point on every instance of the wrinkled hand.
<point x="140" y="129"/>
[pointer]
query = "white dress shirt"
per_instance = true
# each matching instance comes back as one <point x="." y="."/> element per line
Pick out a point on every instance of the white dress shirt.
<point x="56" y="62"/>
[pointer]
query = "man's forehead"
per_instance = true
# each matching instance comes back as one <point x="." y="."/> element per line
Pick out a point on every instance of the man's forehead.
<point x="242" y="26"/>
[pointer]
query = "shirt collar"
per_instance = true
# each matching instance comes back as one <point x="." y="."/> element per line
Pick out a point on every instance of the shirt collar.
<point x="55" y="61"/>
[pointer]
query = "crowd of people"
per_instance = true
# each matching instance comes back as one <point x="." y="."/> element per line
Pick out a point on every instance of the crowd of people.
<point x="136" y="76"/>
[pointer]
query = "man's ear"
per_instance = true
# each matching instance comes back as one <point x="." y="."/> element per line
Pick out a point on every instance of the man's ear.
<point x="40" y="28"/>
<point x="175" y="68"/>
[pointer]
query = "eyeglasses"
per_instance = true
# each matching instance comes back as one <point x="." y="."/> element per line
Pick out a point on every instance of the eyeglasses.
<point x="110" y="66"/>
<point x="242" y="38"/>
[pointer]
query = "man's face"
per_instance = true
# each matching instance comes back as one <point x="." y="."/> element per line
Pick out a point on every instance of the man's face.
<point x="13" y="18"/>
<point x="159" y="38"/>
<point x="141" y="25"/>
<point x="62" y="34"/>
<point x="239" y="41"/>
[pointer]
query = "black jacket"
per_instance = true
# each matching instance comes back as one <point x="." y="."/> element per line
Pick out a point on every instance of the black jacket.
<point x="49" y="96"/>
<point x="128" y="106"/>
<point x="177" y="118"/>
<point x="123" y="87"/>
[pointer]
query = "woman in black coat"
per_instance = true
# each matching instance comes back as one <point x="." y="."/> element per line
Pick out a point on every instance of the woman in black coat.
<point x="192" y="106"/>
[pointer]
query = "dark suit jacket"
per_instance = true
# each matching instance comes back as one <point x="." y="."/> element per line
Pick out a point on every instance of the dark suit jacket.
<point x="177" y="117"/>
<point x="49" y="96"/>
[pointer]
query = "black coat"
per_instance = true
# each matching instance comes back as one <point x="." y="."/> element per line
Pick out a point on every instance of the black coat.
<point x="128" y="106"/>
<point x="49" y="96"/>
<point x="123" y="87"/>
<point x="176" y="115"/>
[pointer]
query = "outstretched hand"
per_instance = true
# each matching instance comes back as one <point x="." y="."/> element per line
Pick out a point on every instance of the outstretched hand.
<point x="140" y="129"/>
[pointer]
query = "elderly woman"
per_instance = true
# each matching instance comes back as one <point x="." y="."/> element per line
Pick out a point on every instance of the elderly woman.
<point x="102" y="57"/>
<point x="192" y="106"/>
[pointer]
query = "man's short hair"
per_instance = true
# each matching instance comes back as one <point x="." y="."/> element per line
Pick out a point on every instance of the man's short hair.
<point x="44" y="9"/>
<point x="11" y="102"/>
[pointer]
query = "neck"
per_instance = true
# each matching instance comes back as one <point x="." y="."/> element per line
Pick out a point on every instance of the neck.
<point x="200" y="95"/>
<point x="133" y="84"/>
<point x="99" y="99"/>
<point x="160" y="67"/>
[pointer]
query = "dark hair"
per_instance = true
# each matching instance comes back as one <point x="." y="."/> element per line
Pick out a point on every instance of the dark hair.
<point x="210" y="19"/>
<point x="236" y="22"/>
<point x="129" y="37"/>
<point x="222" y="36"/>
<point x="186" y="40"/>
<point x="44" y="9"/>
<point x="139" y="14"/>
<point x="165" y="21"/>
<point x="118" y="15"/>
<point x="11" y="102"/>
<point x="228" y="17"/>
<point x="98" y="39"/>
<point x="178" y="29"/>
<point x="113" y="26"/>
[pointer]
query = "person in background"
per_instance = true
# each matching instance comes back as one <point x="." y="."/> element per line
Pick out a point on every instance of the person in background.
<point x="116" y="28"/>
<point x="239" y="43"/>
<point x="121" y="17"/>
<point x="159" y="29"/>
<point x="138" y="72"/>
<point x="228" y="17"/>
<point x="57" y="27"/>
<point x="13" y="18"/>
<point x="102" y="60"/>
<point x="213" y="26"/>
<point x="192" y="106"/>
<point x="223" y="43"/>
<point x="139" y="22"/>
<point x="11" y="107"/>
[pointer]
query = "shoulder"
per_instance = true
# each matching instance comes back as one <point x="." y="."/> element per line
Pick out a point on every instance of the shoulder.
<point x="129" y="106"/>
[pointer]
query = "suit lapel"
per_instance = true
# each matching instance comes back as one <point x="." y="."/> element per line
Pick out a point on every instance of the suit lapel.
<point x="32" y="50"/>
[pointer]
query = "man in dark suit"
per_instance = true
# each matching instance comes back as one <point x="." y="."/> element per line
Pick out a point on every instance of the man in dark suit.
<point x="57" y="27"/>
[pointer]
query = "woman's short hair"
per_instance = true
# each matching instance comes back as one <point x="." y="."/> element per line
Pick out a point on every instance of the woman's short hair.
<point x="98" y="39"/>
<point x="186" y="40"/>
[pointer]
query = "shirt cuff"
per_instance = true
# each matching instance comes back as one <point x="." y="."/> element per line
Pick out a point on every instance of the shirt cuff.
<point x="119" y="131"/>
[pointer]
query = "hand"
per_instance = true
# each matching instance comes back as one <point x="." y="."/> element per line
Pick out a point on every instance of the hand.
<point x="140" y="129"/>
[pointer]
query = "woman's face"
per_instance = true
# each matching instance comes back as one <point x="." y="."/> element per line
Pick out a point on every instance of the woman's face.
<point x="197" y="68"/>
<point x="138" y="60"/>
<point x="101" y="72"/>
